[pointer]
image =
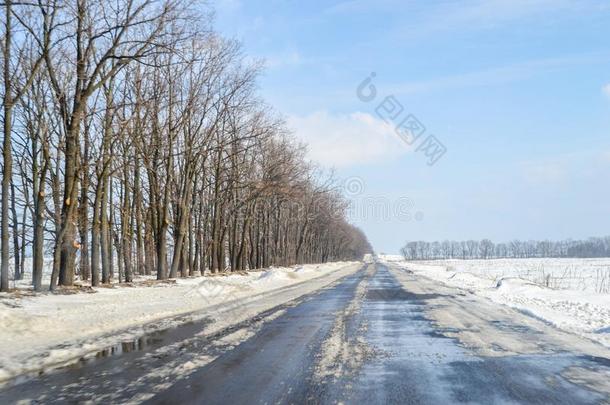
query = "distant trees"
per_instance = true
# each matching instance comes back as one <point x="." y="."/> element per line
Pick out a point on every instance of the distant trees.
<point x="486" y="249"/>
<point x="141" y="147"/>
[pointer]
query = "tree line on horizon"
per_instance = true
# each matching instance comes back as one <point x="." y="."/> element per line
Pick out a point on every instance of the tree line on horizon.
<point x="135" y="143"/>
<point x="486" y="249"/>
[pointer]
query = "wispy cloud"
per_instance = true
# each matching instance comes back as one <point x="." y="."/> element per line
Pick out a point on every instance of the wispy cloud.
<point x="498" y="11"/>
<point x="464" y="11"/>
<point x="341" y="140"/>
<point x="285" y="59"/>
<point x="566" y="169"/>
<point x="498" y="75"/>
<point x="485" y="14"/>
<point x="544" y="172"/>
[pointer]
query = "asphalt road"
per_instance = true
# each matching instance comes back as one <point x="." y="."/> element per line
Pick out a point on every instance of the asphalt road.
<point x="368" y="338"/>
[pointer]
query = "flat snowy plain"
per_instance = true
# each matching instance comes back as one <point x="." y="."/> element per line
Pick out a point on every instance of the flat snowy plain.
<point x="570" y="294"/>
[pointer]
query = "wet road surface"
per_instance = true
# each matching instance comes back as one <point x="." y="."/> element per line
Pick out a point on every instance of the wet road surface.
<point x="365" y="339"/>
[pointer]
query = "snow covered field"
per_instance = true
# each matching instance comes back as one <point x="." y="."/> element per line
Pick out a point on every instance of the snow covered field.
<point x="591" y="275"/>
<point x="571" y="294"/>
<point x="51" y="329"/>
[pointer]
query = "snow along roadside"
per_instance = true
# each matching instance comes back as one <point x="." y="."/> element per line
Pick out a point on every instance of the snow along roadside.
<point x="49" y="330"/>
<point x="583" y="313"/>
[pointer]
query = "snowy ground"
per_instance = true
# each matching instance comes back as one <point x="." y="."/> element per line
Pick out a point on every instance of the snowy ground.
<point x="563" y="292"/>
<point x="41" y="330"/>
<point x="591" y="275"/>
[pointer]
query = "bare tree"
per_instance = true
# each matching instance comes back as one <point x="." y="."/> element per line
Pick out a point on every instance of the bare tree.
<point x="159" y="156"/>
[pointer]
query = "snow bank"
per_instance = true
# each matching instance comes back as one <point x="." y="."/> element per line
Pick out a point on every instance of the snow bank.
<point x="38" y="330"/>
<point x="583" y="312"/>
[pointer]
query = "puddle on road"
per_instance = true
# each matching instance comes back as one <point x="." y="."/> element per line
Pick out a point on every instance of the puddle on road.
<point x="147" y="342"/>
<point x="125" y="347"/>
<point x="129" y="347"/>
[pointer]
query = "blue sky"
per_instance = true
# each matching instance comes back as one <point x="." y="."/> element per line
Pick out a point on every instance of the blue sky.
<point x="516" y="90"/>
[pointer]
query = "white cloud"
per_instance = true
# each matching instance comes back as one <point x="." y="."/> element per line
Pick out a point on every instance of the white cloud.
<point x="340" y="140"/>
<point x="290" y="58"/>
<point x="606" y="89"/>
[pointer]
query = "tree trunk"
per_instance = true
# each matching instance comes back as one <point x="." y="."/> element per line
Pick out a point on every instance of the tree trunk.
<point x="105" y="232"/>
<point x="83" y="214"/>
<point x="95" y="235"/>
<point x="15" y="233"/>
<point x="7" y="154"/>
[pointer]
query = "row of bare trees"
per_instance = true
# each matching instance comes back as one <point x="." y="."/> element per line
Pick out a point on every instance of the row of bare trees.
<point x="135" y="143"/>
<point x="486" y="249"/>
